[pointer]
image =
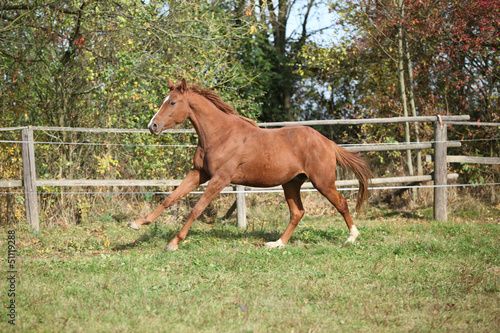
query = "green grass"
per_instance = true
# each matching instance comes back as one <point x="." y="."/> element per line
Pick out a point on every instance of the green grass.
<point x="405" y="274"/>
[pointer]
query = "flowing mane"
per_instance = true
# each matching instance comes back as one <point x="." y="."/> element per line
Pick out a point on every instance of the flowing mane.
<point x="216" y="100"/>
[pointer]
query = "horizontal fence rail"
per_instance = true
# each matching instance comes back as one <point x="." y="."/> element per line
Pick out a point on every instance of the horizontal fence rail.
<point x="177" y="182"/>
<point x="457" y="120"/>
<point x="439" y="145"/>
<point x="363" y="121"/>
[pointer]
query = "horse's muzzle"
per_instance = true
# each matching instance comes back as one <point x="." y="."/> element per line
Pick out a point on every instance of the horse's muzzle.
<point x="154" y="128"/>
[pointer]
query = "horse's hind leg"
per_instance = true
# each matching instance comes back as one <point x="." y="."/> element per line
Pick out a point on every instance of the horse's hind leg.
<point x="329" y="190"/>
<point x="292" y="195"/>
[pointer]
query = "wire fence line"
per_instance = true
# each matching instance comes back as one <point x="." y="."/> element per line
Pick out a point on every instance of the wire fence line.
<point x="194" y="146"/>
<point x="452" y="119"/>
<point x="246" y="191"/>
<point x="96" y="144"/>
<point x="256" y="190"/>
<point x="33" y="186"/>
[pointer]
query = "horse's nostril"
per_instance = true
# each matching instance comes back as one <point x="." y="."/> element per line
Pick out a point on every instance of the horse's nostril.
<point x="153" y="127"/>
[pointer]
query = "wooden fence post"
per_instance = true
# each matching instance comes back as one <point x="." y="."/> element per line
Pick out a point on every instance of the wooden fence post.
<point x="440" y="166"/>
<point x="241" y="207"/>
<point x="29" y="176"/>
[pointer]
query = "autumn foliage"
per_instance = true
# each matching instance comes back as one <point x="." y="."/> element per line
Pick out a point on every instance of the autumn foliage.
<point x="105" y="64"/>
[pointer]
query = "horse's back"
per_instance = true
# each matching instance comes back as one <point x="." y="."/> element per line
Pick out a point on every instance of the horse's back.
<point x="302" y="140"/>
<point x="272" y="157"/>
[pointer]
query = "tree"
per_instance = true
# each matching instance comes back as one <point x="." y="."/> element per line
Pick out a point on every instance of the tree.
<point x="451" y="54"/>
<point x="105" y="64"/>
<point x="275" y="50"/>
<point x="96" y="63"/>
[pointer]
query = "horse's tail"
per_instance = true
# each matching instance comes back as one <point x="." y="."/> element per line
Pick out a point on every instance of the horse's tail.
<point x="359" y="166"/>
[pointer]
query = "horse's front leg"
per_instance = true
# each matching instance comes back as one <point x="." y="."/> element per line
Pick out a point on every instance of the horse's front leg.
<point x="215" y="186"/>
<point x="193" y="179"/>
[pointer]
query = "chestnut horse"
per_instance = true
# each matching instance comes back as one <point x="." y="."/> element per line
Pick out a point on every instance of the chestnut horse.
<point x="233" y="149"/>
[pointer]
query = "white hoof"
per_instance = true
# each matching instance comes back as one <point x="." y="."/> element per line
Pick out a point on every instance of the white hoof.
<point x="275" y="245"/>
<point x="134" y="226"/>
<point x="353" y="234"/>
<point x="170" y="248"/>
<point x="348" y="242"/>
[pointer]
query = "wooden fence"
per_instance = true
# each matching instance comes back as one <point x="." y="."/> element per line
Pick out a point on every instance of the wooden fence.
<point x="440" y="157"/>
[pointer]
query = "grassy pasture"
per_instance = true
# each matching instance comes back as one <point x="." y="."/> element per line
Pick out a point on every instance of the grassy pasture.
<point x="406" y="273"/>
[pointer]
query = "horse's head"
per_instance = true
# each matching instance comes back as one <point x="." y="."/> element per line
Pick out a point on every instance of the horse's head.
<point x="173" y="110"/>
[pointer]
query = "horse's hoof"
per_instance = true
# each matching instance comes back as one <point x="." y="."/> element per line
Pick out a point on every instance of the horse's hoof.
<point x="275" y="245"/>
<point x="170" y="248"/>
<point x="349" y="242"/>
<point x="353" y="234"/>
<point x="134" y="226"/>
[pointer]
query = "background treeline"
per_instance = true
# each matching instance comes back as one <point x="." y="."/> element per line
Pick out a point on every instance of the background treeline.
<point x="105" y="64"/>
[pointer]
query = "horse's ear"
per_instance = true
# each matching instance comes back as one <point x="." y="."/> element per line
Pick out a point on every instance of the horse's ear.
<point x="170" y="85"/>
<point x="183" y="85"/>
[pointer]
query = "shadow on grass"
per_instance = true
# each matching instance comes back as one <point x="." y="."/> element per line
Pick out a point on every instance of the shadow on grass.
<point x="145" y="238"/>
<point x="399" y="214"/>
<point x="257" y="237"/>
<point x="154" y="231"/>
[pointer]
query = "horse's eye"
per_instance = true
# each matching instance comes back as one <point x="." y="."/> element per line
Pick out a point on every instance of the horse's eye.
<point x="172" y="103"/>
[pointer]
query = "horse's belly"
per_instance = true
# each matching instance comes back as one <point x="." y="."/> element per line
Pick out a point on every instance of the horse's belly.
<point x="265" y="174"/>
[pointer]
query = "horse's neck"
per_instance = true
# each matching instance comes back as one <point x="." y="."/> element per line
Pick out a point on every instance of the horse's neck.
<point x="209" y="122"/>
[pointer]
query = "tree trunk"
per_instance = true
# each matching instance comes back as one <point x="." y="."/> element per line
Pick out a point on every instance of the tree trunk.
<point x="412" y="104"/>
<point x="402" y="88"/>
<point x="278" y="19"/>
